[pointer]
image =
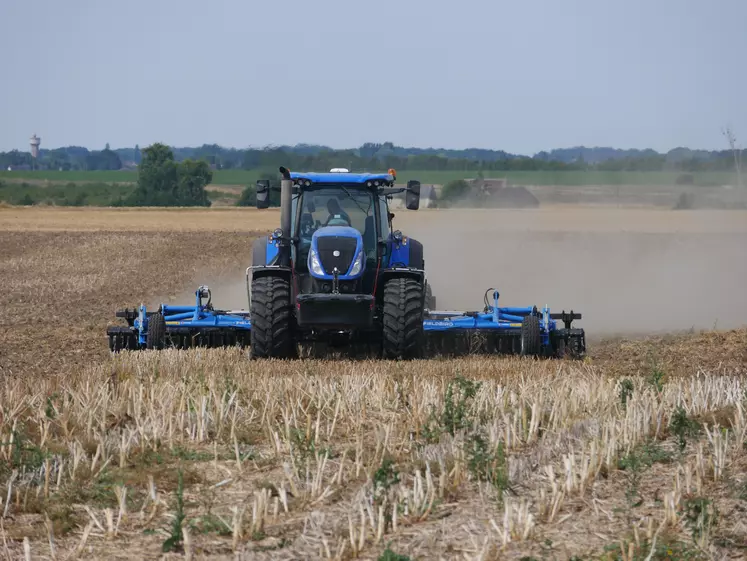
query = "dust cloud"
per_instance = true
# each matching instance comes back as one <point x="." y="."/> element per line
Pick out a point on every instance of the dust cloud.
<point x="227" y="293"/>
<point x="623" y="271"/>
<point x="629" y="272"/>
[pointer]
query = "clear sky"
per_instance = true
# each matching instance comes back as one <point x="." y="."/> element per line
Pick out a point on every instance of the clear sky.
<point x="521" y="76"/>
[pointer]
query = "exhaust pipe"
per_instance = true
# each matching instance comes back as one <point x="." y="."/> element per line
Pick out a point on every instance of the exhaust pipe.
<point x="286" y="199"/>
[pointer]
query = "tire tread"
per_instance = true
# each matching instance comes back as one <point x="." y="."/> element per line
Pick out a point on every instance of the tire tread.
<point x="271" y="316"/>
<point x="403" y="318"/>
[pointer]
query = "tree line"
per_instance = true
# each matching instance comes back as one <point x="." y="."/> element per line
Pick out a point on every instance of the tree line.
<point x="377" y="156"/>
<point x="161" y="181"/>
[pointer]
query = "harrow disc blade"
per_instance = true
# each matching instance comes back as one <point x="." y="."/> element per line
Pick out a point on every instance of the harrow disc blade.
<point x="126" y="339"/>
<point x="205" y="337"/>
<point x="564" y="343"/>
<point x="466" y="342"/>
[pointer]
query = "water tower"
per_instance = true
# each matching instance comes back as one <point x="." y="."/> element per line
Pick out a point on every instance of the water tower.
<point x="35" y="142"/>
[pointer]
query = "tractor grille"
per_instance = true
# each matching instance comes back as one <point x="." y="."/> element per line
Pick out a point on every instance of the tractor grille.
<point x="327" y="245"/>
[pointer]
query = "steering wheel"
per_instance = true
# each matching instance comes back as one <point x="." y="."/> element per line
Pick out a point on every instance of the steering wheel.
<point x="338" y="221"/>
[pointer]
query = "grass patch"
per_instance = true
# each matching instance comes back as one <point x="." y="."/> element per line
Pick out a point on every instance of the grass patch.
<point x="69" y="194"/>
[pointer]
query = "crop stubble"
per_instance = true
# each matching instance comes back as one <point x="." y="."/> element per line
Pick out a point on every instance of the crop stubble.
<point x="252" y="437"/>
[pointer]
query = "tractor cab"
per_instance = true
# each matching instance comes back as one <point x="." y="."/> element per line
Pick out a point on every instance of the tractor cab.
<point x="339" y="207"/>
<point x="345" y="209"/>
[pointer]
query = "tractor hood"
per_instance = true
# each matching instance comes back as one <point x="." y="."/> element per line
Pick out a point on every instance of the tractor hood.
<point x="337" y="247"/>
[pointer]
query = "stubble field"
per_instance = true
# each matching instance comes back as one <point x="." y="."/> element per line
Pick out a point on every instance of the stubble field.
<point x="639" y="450"/>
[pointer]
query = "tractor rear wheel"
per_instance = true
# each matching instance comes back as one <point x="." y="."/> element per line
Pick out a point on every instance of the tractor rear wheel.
<point x="531" y="341"/>
<point x="430" y="300"/>
<point x="156" y="336"/>
<point x="271" y="335"/>
<point x="403" y="318"/>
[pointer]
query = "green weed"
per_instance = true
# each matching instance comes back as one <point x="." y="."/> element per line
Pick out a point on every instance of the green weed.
<point x="683" y="427"/>
<point x="486" y="464"/>
<point x="455" y="414"/>
<point x="639" y="459"/>
<point x="626" y="391"/>
<point x="701" y="515"/>
<point x="174" y="541"/>
<point x="389" y="555"/>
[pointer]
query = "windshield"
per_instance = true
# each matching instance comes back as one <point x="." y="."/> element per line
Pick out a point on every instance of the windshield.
<point x="339" y="206"/>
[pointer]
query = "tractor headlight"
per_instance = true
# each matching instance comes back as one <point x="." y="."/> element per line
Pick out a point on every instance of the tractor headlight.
<point x="357" y="264"/>
<point x="314" y="264"/>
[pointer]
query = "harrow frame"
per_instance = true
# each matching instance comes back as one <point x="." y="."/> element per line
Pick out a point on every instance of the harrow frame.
<point x="504" y="330"/>
<point x="180" y="326"/>
<point x="495" y="330"/>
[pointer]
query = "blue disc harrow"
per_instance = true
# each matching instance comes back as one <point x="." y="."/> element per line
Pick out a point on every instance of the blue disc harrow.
<point x="181" y="327"/>
<point x="527" y="331"/>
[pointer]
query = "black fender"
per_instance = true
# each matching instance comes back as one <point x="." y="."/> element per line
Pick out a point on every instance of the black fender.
<point x="394" y="272"/>
<point x="260" y="265"/>
<point x="416" y="254"/>
<point x="259" y="252"/>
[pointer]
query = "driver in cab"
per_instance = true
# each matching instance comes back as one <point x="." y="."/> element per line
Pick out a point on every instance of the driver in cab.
<point x="337" y="216"/>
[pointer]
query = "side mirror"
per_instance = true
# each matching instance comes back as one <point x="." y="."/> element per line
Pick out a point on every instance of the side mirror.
<point x="412" y="195"/>
<point x="263" y="193"/>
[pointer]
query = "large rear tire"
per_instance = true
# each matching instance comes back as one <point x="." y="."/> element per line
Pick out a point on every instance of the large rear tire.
<point x="403" y="319"/>
<point x="272" y="336"/>
<point x="531" y="341"/>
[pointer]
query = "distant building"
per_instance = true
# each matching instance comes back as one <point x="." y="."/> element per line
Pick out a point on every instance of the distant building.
<point x="35" y="142"/>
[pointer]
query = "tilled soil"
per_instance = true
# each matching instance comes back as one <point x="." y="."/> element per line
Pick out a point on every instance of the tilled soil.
<point x="288" y="461"/>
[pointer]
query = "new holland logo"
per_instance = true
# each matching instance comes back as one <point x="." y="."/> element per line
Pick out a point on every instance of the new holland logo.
<point x="336" y="253"/>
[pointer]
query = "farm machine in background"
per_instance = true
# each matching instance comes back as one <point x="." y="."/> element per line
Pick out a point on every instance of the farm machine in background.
<point x="336" y="273"/>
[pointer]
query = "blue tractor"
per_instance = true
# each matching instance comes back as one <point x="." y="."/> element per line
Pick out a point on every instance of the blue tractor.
<point x="336" y="272"/>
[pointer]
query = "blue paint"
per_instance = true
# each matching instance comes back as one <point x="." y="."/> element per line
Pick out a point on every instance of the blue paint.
<point x="343" y="231"/>
<point x="338" y="231"/>
<point x="343" y="178"/>
<point x="198" y="315"/>
<point x="141" y="323"/>
<point x="494" y="318"/>
<point x="399" y="253"/>
<point x="273" y="248"/>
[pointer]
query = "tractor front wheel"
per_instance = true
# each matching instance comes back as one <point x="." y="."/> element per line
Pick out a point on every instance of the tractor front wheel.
<point x="403" y="318"/>
<point x="271" y="335"/>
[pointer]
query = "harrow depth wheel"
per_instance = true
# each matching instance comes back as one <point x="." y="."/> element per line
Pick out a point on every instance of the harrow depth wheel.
<point x="531" y="340"/>
<point x="156" y="337"/>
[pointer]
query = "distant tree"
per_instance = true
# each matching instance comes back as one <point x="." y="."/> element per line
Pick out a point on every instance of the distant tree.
<point x="164" y="182"/>
<point x="106" y="160"/>
<point x="193" y="176"/>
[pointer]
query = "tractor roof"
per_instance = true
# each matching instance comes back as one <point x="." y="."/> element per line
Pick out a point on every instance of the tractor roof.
<point x="344" y="178"/>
